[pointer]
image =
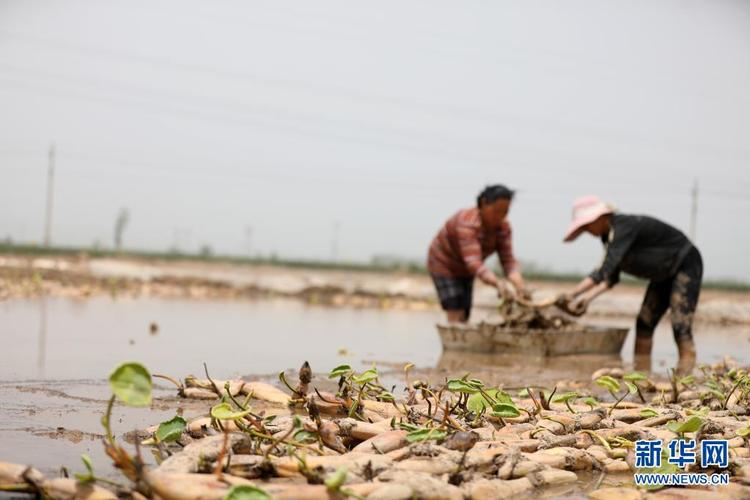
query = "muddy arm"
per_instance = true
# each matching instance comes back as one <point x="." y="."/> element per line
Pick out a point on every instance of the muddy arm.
<point x="580" y="305"/>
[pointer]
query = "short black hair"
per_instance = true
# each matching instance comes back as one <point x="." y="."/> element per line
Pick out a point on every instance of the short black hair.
<point x="493" y="193"/>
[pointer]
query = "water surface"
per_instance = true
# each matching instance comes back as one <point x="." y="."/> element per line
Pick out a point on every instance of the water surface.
<point x="61" y="338"/>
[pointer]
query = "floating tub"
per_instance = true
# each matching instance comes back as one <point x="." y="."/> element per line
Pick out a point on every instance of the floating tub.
<point x="496" y="338"/>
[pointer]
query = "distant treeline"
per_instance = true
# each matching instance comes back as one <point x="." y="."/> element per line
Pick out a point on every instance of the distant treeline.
<point x="531" y="273"/>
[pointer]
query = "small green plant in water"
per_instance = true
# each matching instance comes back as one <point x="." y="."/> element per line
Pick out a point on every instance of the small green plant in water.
<point x="613" y="387"/>
<point x="465" y="385"/>
<point x="300" y="435"/>
<point x="505" y="410"/>
<point x="418" y="434"/>
<point x="634" y="377"/>
<point x="590" y="401"/>
<point x="363" y="385"/>
<point x="336" y="480"/>
<point x="480" y="401"/>
<point x="224" y="411"/>
<point x="714" y="389"/>
<point x="246" y="492"/>
<point x="131" y="384"/>
<point x="89" y="477"/>
<point x="609" y="383"/>
<point x="687" y="381"/>
<point x="692" y="424"/>
<point x="340" y="371"/>
<point x="648" y="413"/>
<point x="566" y="398"/>
<point x="365" y="377"/>
<point x="168" y="431"/>
<point x="702" y="412"/>
<point x="335" y="485"/>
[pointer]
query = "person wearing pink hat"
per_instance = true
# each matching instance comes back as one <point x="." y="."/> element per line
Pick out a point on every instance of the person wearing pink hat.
<point x="646" y="248"/>
<point x="458" y="251"/>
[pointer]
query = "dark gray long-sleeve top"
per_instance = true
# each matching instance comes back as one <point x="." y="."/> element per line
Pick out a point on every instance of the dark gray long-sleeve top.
<point x="642" y="246"/>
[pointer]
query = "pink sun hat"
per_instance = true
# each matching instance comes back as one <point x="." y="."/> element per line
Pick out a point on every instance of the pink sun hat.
<point x="586" y="209"/>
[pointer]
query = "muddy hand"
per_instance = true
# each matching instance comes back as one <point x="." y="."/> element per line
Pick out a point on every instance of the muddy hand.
<point x="525" y="294"/>
<point x="562" y="301"/>
<point x="566" y="303"/>
<point x="578" y="308"/>
<point x="505" y="291"/>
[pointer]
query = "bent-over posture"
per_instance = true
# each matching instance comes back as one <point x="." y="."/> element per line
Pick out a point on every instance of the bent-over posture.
<point x="458" y="252"/>
<point x="647" y="248"/>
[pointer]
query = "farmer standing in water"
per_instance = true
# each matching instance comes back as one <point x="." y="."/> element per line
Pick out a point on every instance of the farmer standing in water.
<point x="647" y="248"/>
<point x="458" y="252"/>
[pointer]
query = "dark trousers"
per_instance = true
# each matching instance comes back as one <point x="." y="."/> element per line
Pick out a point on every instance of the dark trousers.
<point x="455" y="294"/>
<point x="679" y="294"/>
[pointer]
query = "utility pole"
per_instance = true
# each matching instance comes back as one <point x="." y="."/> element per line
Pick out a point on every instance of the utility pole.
<point x="50" y="190"/>
<point x="693" y="210"/>
<point x="122" y="220"/>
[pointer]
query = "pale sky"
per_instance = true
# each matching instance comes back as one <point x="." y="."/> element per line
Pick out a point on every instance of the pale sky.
<point x="384" y="118"/>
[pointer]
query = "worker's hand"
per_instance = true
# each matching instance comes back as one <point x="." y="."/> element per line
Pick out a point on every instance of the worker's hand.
<point x="506" y="290"/>
<point x="525" y="293"/>
<point x="565" y="298"/>
<point x="515" y="279"/>
<point x="578" y="307"/>
<point x="563" y="301"/>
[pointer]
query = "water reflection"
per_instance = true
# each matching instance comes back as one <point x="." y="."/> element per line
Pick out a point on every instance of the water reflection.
<point x="462" y="360"/>
<point x="42" y="348"/>
<point x="60" y="338"/>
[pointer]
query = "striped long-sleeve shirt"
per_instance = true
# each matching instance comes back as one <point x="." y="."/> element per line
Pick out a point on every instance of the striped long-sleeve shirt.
<point x="462" y="244"/>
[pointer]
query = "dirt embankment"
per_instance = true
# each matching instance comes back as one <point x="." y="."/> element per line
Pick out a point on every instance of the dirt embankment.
<point x="25" y="277"/>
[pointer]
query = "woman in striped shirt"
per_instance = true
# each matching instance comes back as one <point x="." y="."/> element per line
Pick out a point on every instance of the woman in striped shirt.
<point x="458" y="252"/>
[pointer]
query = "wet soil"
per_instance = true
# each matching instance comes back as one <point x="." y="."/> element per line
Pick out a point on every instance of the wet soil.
<point x="58" y="353"/>
<point x="62" y="335"/>
<point x="26" y="277"/>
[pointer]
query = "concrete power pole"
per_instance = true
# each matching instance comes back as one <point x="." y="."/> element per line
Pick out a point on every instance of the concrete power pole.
<point x="50" y="190"/>
<point x="694" y="210"/>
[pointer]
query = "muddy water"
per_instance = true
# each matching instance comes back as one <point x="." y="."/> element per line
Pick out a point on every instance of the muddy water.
<point x="58" y="338"/>
<point x="50" y="424"/>
<point x="56" y="354"/>
<point x="65" y="339"/>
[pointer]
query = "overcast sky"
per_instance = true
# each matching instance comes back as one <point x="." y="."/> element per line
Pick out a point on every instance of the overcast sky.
<point x="262" y="126"/>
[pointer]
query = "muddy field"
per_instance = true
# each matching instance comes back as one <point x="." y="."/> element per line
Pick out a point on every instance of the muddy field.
<point x="23" y="277"/>
<point x="67" y="322"/>
<point x="344" y="434"/>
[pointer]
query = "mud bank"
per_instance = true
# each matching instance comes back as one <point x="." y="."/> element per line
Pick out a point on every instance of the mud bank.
<point x="24" y="277"/>
<point x="334" y="435"/>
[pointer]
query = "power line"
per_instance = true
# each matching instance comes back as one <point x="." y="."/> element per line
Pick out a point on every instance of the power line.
<point x="339" y="92"/>
<point x="432" y="148"/>
<point x="725" y="194"/>
<point x="424" y="144"/>
<point x="270" y="172"/>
